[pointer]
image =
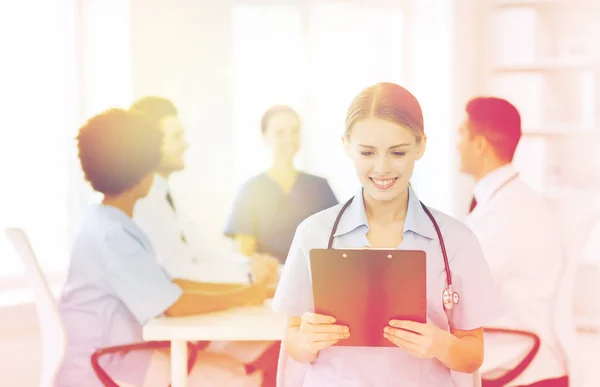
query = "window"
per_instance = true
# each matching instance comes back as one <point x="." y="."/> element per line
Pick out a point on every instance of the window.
<point x="351" y="47"/>
<point x="267" y="69"/>
<point x="51" y="87"/>
<point x="106" y="56"/>
<point x="106" y="77"/>
<point x="319" y="58"/>
<point x="39" y="85"/>
<point x="431" y="80"/>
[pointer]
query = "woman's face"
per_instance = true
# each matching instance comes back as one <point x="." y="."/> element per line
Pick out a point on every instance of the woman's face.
<point x="282" y="136"/>
<point x="384" y="155"/>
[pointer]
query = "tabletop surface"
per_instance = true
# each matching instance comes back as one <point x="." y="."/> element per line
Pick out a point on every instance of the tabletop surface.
<point x="256" y="323"/>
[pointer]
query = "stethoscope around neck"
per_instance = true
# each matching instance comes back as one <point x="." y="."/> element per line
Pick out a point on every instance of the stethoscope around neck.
<point x="450" y="298"/>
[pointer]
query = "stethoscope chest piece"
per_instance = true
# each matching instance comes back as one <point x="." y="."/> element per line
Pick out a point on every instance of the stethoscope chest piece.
<point x="450" y="298"/>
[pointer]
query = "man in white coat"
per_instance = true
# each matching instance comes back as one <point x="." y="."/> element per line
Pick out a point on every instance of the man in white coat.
<point x="182" y="252"/>
<point x="520" y="240"/>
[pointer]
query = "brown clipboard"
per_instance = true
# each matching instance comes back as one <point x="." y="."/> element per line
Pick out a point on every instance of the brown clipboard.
<point x="365" y="288"/>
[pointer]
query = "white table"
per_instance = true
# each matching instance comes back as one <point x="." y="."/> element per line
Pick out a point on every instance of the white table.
<point x="258" y="323"/>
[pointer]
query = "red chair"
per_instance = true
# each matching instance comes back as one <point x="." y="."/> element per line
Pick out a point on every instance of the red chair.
<point x="513" y="373"/>
<point x="193" y="349"/>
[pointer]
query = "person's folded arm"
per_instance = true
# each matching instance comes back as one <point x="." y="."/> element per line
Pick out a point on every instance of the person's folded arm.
<point x="192" y="286"/>
<point x="205" y="298"/>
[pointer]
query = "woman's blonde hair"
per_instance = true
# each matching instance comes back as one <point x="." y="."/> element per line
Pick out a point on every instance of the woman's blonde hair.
<point x="390" y="102"/>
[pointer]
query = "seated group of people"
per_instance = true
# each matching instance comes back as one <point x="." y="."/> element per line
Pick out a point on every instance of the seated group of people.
<point x="134" y="258"/>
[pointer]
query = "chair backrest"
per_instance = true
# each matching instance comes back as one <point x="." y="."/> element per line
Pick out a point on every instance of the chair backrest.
<point x="53" y="333"/>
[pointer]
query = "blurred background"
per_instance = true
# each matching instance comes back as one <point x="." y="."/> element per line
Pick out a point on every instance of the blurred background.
<point x="223" y="62"/>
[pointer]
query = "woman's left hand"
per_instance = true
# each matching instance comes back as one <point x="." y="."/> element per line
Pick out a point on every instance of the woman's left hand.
<point x="424" y="341"/>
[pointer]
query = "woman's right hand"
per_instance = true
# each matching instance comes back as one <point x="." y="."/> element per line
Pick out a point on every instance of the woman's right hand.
<point x="317" y="332"/>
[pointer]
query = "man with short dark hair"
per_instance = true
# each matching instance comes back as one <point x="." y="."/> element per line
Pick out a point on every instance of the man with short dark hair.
<point x="519" y="238"/>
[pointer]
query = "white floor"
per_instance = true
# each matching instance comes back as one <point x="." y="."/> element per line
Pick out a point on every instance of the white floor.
<point x="589" y="345"/>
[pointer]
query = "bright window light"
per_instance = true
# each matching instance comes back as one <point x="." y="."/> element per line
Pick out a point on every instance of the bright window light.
<point x="267" y="70"/>
<point x="350" y="47"/>
<point x="39" y="85"/>
<point x="51" y="88"/>
<point x="106" y="55"/>
<point x="316" y="61"/>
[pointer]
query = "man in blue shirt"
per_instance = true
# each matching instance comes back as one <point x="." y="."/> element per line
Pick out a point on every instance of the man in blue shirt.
<point x="114" y="284"/>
